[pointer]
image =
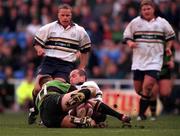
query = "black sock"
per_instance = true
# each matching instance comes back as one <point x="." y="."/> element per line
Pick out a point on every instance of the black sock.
<point x="167" y="104"/>
<point x="105" y="109"/>
<point x="36" y="111"/>
<point x="152" y="105"/>
<point x="86" y="92"/>
<point x="143" y="105"/>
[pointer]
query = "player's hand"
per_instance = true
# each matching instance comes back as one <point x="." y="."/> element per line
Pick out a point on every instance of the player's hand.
<point x="171" y="64"/>
<point x="40" y="51"/>
<point x="132" y="44"/>
<point x="168" y="52"/>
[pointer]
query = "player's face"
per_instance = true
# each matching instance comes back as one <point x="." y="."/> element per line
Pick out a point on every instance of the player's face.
<point x="147" y="11"/>
<point x="75" y="78"/>
<point x="64" y="16"/>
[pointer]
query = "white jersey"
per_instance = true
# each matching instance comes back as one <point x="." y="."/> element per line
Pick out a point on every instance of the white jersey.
<point x="92" y="84"/>
<point x="63" y="43"/>
<point x="150" y="37"/>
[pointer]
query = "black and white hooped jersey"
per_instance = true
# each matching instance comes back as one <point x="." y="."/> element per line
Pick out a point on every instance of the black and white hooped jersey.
<point x="150" y="37"/>
<point x="92" y="84"/>
<point x="63" y="43"/>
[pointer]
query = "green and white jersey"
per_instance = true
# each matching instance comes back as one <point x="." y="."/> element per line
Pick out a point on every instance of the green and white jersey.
<point x="57" y="86"/>
<point x="51" y="87"/>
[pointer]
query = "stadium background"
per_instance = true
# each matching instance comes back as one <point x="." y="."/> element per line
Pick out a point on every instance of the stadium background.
<point x="110" y="60"/>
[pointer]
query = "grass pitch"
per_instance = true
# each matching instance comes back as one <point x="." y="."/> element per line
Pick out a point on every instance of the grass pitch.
<point x="15" y="124"/>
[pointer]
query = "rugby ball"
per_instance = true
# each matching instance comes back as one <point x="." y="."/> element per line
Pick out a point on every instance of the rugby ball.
<point x="83" y="110"/>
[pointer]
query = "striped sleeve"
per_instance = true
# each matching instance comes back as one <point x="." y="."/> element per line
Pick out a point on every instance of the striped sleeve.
<point x="169" y="32"/>
<point x="128" y="33"/>
<point x="85" y="42"/>
<point x="41" y="35"/>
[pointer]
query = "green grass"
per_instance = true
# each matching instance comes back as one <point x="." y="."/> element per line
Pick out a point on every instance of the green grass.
<point x="15" y="124"/>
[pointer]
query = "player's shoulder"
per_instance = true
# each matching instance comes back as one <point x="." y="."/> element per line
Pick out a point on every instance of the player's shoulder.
<point x="161" y="19"/>
<point x="90" y="83"/>
<point x="78" y="27"/>
<point x="136" y="20"/>
<point x="49" y="25"/>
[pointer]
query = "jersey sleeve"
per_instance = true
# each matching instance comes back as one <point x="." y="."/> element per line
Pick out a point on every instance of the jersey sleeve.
<point x="94" y="84"/>
<point x="85" y="42"/>
<point x="168" y="30"/>
<point x="128" y="33"/>
<point x="41" y="35"/>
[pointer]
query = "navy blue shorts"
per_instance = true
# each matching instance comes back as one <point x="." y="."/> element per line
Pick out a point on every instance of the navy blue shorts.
<point x="165" y="72"/>
<point x="139" y="75"/>
<point x="56" y="67"/>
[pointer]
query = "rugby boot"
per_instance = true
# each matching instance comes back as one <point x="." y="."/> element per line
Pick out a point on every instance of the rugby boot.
<point x="32" y="116"/>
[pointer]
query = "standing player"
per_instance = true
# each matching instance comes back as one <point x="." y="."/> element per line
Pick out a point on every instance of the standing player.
<point x="146" y="35"/>
<point x="163" y="87"/>
<point x="60" y="42"/>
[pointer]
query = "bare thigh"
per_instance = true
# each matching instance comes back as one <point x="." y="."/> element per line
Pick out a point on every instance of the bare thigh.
<point x="65" y="99"/>
<point x="165" y="87"/>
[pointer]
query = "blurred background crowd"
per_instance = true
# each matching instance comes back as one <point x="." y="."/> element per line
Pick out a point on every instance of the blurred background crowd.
<point x="104" y="20"/>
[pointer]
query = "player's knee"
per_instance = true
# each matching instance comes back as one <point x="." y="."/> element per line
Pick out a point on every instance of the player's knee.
<point x="99" y="117"/>
<point x="145" y="97"/>
<point x="35" y="91"/>
<point x="86" y="92"/>
<point x="44" y="79"/>
<point x="139" y="92"/>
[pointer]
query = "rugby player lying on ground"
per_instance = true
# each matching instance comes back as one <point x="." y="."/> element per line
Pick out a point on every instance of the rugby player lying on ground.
<point x="78" y="78"/>
<point x="55" y="100"/>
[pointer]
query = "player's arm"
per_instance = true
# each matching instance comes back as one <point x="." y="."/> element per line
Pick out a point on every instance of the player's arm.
<point x="84" y="57"/>
<point x="85" y="48"/>
<point x="169" y="46"/>
<point x="169" y="37"/>
<point x="40" y="40"/>
<point x="39" y="49"/>
<point x="170" y="63"/>
<point x="131" y="44"/>
<point x="128" y="36"/>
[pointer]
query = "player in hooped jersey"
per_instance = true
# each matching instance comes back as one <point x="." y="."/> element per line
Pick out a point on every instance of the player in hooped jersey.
<point x="81" y="83"/>
<point x="146" y="35"/>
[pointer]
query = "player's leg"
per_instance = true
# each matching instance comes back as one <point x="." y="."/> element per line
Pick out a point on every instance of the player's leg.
<point x="75" y="98"/>
<point x="153" y="101"/>
<point x="40" y="80"/>
<point x="165" y="92"/>
<point x="138" y="86"/>
<point x="138" y="77"/>
<point x="105" y="109"/>
<point x="149" y="82"/>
